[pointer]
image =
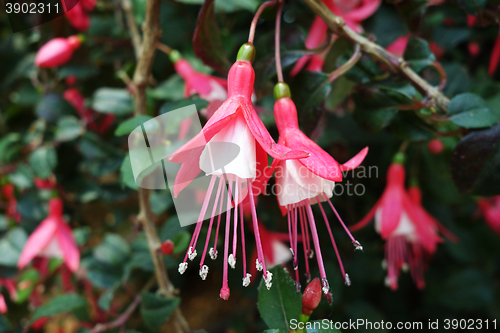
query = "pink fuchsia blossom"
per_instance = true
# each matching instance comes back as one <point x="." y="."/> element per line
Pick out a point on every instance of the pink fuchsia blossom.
<point x="211" y="88"/>
<point x="57" y="51"/>
<point x="52" y="238"/>
<point x="235" y="122"/>
<point x="411" y="234"/>
<point x="11" y="288"/>
<point x="78" y="18"/>
<point x="303" y="182"/>
<point x="88" y="5"/>
<point x="353" y="13"/>
<point x="490" y="210"/>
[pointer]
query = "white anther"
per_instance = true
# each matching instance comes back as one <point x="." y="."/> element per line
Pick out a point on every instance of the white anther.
<point x="182" y="267"/>
<point x="357" y="245"/>
<point x="326" y="286"/>
<point x="291" y="250"/>
<point x="268" y="280"/>
<point x="347" y="280"/>
<point x="246" y="280"/>
<point x="384" y="264"/>
<point x="232" y="261"/>
<point x="192" y="253"/>
<point x="405" y="268"/>
<point x="204" y="272"/>
<point x="213" y="253"/>
<point x="258" y="265"/>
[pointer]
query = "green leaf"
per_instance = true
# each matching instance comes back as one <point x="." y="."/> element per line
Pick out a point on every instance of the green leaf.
<point x="373" y="121"/>
<point x="113" y="250"/>
<point x="126" y="173"/>
<point x="129" y="125"/>
<point x="113" y="100"/>
<point x="11" y="246"/>
<point x="471" y="6"/>
<point x="207" y="41"/>
<point x="22" y="177"/>
<point x="59" y="304"/>
<point x="52" y="107"/>
<point x="309" y="91"/>
<point x="9" y="146"/>
<point x="102" y="275"/>
<point x="170" y="106"/>
<point x="171" y="89"/>
<point x="418" y="54"/>
<point x="29" y="280"/>
<point x="281" y="303"/>
<point x="470" y="111"/>
<point x="408" y="126"/>
<point x="43" y="161"/>
<point x="68" y="128"/>
<point x="475" y="165"/>
<point x="155" y="309"/>
<point x="79" y="71"/>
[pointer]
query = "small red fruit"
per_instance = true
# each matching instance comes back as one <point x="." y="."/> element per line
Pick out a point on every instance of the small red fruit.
<point x="435" y="146"/>
<point x="167" y="247"/>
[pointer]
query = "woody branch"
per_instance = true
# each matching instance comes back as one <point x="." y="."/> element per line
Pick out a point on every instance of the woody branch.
<point x="151" y="33"/>
<point x="397" y="65"/>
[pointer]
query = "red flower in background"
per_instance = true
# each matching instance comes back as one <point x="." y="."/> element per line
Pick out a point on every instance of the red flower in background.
<point x="8" y="195"/>
<point x="78" y="16"/>
<point x="410" y="232"/>
<point x="91" y="119"/>
<point x="490" y="210"/>
<point x="398" y="47"/>
<point x="353" y="12"/>
<point x="57" y="51"/>
<point x="52" y="238"/>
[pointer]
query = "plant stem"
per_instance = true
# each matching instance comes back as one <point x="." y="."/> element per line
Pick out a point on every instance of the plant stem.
<point x="132" y="25"/>
<point x="164" y="48"/>
<point x="277" y="55"/>
<point x="146" y="53"/>
<point x="348" y="65"/>
<point x="256" y="18"/>
<point x="397" y="65"/>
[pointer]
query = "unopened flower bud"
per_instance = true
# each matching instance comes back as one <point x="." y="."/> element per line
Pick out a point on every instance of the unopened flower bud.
<point x="57" y="52"/>
<point x="435" y="146"/>
<point x="311" y="297"/>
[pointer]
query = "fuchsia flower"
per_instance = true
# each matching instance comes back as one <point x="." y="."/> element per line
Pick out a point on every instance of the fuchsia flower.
<point x="490" y="210"/>
<point x="8" y="194"/>
<point x="236" y="122"/>
<point x="398" y="47"/>
<point x="410" y="232"/>
<point x="211" y="88"/>
<point x="52" y="238"/>
<point x="353" y="12"/>
<point x="78" y="18"/>
<point x="306" y="181"/>
<point x="57" y="51"/>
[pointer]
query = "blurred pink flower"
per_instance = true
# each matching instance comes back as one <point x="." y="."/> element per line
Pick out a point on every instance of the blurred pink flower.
<point x="490" y="210"/>
<point x="52" y="238"/>
<point x="78" y="18"/>
<point x="57" y="51"/>
<point x="410" y="232"/>
<point x="353" y="12"/>
<point x="8" y="194"/>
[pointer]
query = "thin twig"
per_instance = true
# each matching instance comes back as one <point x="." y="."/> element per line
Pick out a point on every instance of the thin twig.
<point x="124" y="317"/>
<point x="347" y="66"/>
<point x="397" y="65"/>
<point x="142" y="75"/>
<point x="132" y="25"/>
<point x="164" y="48"/>
<point x="256" y="18"/>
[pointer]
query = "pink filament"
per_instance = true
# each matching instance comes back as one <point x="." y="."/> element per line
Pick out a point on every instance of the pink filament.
<point x="315" y="238"/>
<point x="260" y="253"/>
<point x="209" y="232"/>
